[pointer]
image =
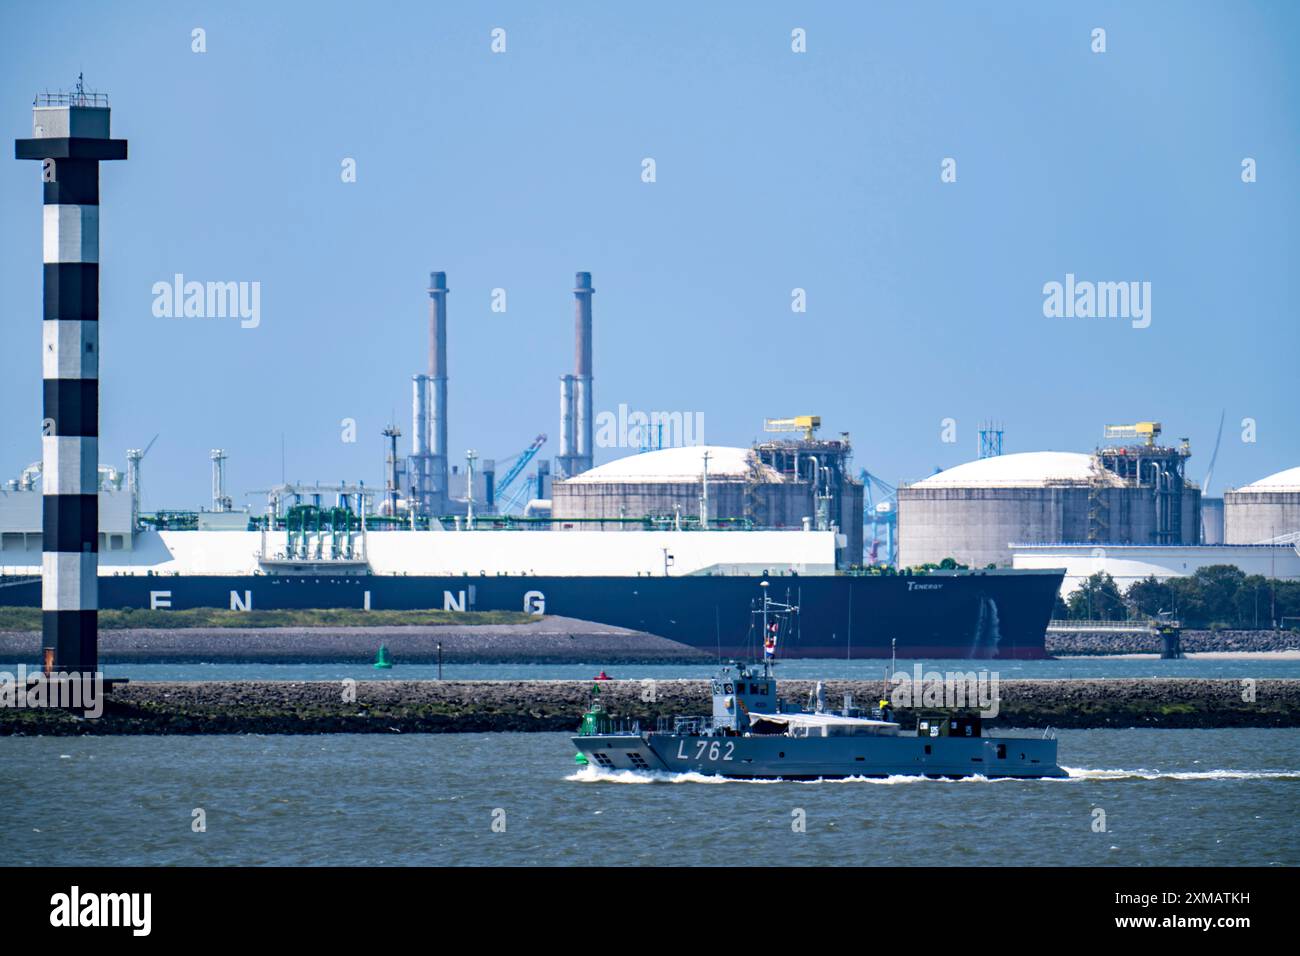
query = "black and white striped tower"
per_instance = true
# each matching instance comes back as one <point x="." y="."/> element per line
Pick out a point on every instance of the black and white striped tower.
<point x="70" y="136"/>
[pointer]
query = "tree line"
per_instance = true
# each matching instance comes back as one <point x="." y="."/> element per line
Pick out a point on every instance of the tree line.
<point x="1220" y="596"/>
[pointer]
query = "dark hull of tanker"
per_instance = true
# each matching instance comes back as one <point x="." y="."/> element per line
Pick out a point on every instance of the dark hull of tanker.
<point x="991" y="614"/>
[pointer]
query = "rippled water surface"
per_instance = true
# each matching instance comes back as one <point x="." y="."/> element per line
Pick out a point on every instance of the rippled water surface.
<point x="1077" y="667"/>
<point x="1179" y="797"/>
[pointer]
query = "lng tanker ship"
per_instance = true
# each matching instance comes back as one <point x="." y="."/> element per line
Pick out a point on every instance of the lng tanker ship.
<point x="695" y="587"/>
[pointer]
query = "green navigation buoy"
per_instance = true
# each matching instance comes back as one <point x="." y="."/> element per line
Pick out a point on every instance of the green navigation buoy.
<point x="382" y="661"/>
<point x="579" y="759"/>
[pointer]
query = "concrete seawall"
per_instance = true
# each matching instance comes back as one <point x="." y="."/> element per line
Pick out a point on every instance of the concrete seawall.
<point x="288" y="707"/>
<point x="1072" y="643"/>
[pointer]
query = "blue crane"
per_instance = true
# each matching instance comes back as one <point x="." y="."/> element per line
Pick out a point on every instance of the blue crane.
<point x="523" y="491"/>
<point x="878" y="515"/>
<point x="503" y="495"/>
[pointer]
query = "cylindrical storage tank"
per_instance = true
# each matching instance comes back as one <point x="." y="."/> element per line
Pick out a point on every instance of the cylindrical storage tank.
<point x="1263" y="510"/>
<point x="974" y="512"/>
<point x="665" y="485"/>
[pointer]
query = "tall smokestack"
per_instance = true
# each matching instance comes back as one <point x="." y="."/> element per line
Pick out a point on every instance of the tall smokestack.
<point x="583" y="425"/>
<point x="70" y="137"/>
<point x="437" y="422"/>
<point x="567" y="464"/>
<point x="421" y="472"/>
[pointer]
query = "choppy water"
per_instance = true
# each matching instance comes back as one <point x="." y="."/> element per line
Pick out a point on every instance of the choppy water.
<point x="1078" y="667"/>
<point x="1171" y="797"/>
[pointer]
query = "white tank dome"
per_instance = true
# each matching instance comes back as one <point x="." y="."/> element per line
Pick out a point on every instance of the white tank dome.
<point x="678" y="465"/>
<point x="1288" y="480"/>
<point x="1029" y="469"/>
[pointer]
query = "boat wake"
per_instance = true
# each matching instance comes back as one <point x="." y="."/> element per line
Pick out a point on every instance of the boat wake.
<point x="1079" y="773"/>
<point x="596" y="775"/>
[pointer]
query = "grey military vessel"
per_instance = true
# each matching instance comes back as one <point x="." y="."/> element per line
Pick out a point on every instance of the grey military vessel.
<point x="750" y="735"/>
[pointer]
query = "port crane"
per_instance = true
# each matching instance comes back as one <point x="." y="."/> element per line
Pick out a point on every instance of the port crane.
<point x="503" y="495"/>
<point x="877" y="516"/>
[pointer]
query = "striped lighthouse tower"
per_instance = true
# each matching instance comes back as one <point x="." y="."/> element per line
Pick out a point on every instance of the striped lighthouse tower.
<point x="70" y="137"/>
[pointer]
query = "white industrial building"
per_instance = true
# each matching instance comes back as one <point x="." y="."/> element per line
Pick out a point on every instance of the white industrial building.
<point x="1130" y="563"/>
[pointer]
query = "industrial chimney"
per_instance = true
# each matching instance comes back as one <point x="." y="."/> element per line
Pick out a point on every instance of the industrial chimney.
<point x="576" y="420"/>
<point x="584" y="423"/>
<point x="421" y="453"/>
<point x="566" y="464"/>
<point x="428" y="472"/>
<point x="439" y="485"/>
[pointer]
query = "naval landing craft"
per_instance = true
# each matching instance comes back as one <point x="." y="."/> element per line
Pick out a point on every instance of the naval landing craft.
<point x="751" y="735"/>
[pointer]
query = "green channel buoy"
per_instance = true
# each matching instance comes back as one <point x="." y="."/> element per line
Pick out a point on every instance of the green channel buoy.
<point x="580" y="759"/>
<point x="382" y="661"/>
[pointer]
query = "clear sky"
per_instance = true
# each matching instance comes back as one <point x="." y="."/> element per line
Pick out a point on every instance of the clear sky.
<point x="775" y="170"/>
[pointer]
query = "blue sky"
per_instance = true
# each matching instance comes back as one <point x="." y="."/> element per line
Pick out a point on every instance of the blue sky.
<point x="775" y="171"/>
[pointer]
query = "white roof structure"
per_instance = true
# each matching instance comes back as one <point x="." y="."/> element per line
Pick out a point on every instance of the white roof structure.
<point x="826" y="724"/>
<point x="1288" y="480"/>
<point x="1030" y="469"/>
<point x="677" y="464"/>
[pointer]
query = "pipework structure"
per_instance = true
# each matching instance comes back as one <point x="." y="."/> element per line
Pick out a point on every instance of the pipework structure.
<point x="1158" y="469"/>
<point x="392" y="480"/>
<point x="221" y="501"/>
<point x="70" y="138"/>
<point x="577" y="421"/>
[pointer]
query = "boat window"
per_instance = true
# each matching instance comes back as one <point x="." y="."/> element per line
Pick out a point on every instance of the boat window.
<point x="927" y="748"/>
<point x="1002" y="751"/>
<point x="753" y="689"/>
